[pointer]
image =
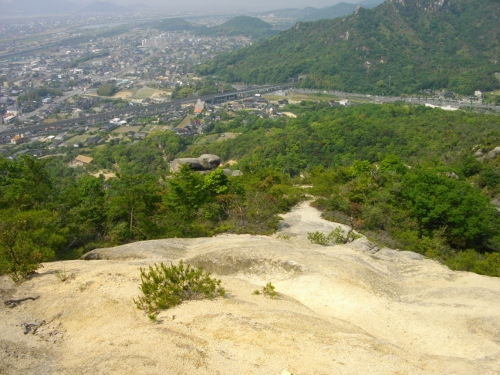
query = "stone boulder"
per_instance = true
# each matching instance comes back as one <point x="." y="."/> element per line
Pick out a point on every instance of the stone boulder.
<point x="209" y="162"/>
<point x="493" y="153"/>
<point x="489" y="156"/>
<point x="479" y="153"/>
<point x="496" y="202"/>
<point x="193" y="163"/>
<point x="231" y="173"/>
<point x="205" y="162"/>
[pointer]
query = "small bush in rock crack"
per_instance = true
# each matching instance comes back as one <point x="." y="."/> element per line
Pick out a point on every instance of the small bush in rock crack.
<point x="165" y="287"/>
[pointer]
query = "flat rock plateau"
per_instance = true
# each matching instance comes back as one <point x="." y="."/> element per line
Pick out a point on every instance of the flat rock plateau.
<point x="345" y="309"/>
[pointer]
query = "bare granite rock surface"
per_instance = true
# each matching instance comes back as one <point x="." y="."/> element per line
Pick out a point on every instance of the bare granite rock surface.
<point x="343" y="309"/>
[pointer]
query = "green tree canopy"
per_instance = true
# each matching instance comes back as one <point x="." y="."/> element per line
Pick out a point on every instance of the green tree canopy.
<point x="107" y="89"/>
<point x="28" y="238"/>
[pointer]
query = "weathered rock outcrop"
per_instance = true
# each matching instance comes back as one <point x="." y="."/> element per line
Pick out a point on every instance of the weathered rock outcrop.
<point x="340" y="309"/>
<point x="489" y="156"/>
<point x="229" y="172"/>
<point x="205" y="162"/>
<point x="209" y="162"/>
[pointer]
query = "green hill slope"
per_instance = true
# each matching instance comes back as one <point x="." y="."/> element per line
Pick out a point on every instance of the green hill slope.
<point x="244" y="25"/>
<point x="396" y="47"/>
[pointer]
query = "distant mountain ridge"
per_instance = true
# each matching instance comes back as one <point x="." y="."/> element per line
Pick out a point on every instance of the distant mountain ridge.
<point x="397" y="47"/>
<point x="340" y="10"/>
<point x="314" y="14"/>
<point x="337" y="10"/>
<point x="239" y="26"/>
<point x="243" y="25"/>
<point x="104" y="7"/>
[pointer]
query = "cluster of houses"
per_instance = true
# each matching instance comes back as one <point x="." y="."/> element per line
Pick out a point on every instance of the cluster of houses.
<point x="55" y="136"/>
<point x="8" y="117"/>
<point x="205" y="115"/>
<point x="260" y="106"/>
<point x="257" y="105"/>
<point x="145" y="56"/>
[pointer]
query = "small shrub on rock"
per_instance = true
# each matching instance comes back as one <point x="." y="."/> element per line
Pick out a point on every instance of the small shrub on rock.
<point x="268" y="290"/>
<point x="318" y="238"/>
<point x="165" y="287"/>
<point x="283" y="237"/>
<point x="336" y="236"/>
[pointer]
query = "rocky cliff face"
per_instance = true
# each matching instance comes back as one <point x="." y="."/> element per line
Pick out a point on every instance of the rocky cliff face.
<point x="422" y="4"/>
<point x="350" y="309"/>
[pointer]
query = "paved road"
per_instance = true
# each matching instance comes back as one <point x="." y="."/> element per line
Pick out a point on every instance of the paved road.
<point x="411" y="100"/>
<point x="5" y="135"/>
<point x="354" y="97"/>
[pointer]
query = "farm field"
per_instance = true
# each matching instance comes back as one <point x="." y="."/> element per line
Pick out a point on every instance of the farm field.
<point x="186" y="121"/>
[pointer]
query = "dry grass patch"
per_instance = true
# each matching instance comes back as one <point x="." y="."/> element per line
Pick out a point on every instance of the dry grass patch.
<point x="186" y="121"/>
<point x="77" y="138"/>
<point x="107" y="174"/>
<point x="126" y="129"/>
<point x="144" y="92"/>
<point x="226" y="136"/>
<point x="124" y="94"/>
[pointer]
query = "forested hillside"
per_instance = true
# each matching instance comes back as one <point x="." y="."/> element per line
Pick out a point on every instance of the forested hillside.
<point x="334" y="136"/>
<point x="406" y="176"/>
<point x="49" y="211"/>
<point x="397" y="47"/>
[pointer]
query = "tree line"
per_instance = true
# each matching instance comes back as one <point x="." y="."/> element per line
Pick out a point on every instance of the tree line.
<point x="43" y="217"/>
<point x="424" y="208"/>
<point x="406" y="176"/>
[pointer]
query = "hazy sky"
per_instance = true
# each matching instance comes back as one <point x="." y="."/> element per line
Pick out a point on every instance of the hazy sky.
<point x="219" y="4"/>
<point x="259" y="4"/>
